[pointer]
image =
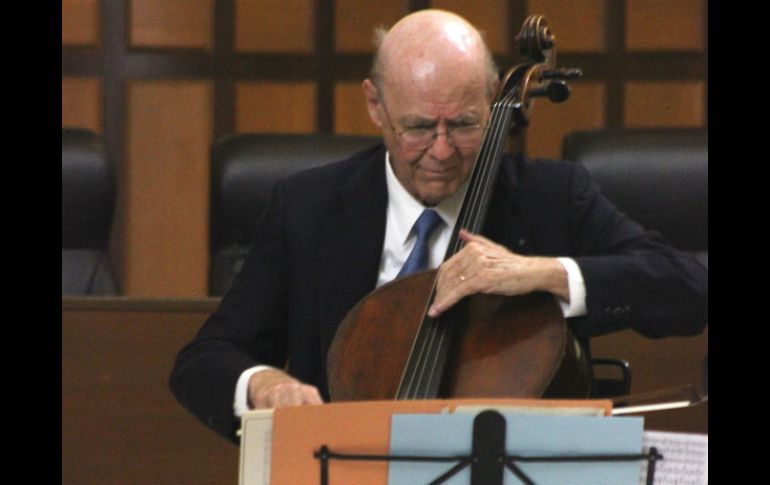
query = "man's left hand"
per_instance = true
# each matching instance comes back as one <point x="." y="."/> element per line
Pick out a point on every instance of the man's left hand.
<point x="483" y="266"/>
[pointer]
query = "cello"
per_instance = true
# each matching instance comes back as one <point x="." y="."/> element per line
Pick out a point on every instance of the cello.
<point x="387" y="347"/>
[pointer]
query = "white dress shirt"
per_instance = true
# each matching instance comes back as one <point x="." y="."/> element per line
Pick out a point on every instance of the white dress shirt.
<point x="403" y="210"/>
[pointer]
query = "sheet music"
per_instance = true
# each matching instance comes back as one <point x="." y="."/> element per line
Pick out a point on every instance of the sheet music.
<point x="685" y="458"/>
<point x="257" y="437"/>
<point x="554" y="410"/>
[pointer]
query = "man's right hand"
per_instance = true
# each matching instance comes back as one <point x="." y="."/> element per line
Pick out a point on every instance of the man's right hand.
<point x="272" y="388"/>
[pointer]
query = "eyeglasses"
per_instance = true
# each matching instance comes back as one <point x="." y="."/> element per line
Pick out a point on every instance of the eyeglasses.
<point x="459" y="136"/>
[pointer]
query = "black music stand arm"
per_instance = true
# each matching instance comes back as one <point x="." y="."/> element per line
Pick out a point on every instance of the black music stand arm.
<point x="488" y="447"/>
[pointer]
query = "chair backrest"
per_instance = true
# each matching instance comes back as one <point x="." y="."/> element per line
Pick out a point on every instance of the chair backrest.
<point x="659" y="177"/>
<point x="87" y="209"/>
<point x="244" y="169"/>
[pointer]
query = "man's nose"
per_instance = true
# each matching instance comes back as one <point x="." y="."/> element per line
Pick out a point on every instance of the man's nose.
<point x="442" y="147"/>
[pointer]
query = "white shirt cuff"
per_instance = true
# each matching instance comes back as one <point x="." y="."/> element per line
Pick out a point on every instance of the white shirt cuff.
<point x="241" y="403"/>
<point x="577" y="290"/>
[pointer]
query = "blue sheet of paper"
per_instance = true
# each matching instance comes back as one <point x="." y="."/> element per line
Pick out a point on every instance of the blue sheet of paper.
<point x="526" y="435"/>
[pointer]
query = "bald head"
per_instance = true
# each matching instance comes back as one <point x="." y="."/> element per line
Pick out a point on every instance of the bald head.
<point x="432" y="75"/>
<point x="428" y="47"/>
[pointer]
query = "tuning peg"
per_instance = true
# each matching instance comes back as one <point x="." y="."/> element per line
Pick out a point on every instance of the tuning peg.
<point x="556" y="91"/>
<point x="563" y="73"/>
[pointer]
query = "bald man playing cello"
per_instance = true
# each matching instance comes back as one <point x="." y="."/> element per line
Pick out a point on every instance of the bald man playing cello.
<point x="334" y="234"/>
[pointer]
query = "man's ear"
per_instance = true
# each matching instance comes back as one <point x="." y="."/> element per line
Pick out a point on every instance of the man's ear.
<point x="372" y="97"/>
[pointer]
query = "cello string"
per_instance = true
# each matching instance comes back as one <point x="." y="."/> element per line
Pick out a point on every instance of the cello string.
<point x="426" y="336"/>
<point x="487" y="170"/>
<point x="470" y="218"/>
<point x="438" y="335"/>
<point x="430" y="358"/>
<point x="473" y="196"/>
<point x="474" y="221"/>
<point x="442" y="331"/>
<point x="492" y="134"/>
<point x="430" y="352"/>
<point x="427" y="365"/>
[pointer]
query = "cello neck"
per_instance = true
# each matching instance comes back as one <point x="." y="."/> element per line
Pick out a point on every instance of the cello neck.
<point x="481" y="183"/>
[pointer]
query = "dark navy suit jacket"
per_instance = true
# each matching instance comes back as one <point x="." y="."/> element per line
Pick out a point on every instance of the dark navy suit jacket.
<point x="317" y="252"/>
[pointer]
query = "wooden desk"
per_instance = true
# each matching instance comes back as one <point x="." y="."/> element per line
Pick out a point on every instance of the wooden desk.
<point x="658" y="364"/>
<point x="121" y="424"/>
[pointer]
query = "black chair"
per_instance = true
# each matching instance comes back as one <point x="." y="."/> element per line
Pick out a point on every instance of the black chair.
<point x="244" y="169"/>
<point x="88" y="203"/>
<point x="659" y="177"/>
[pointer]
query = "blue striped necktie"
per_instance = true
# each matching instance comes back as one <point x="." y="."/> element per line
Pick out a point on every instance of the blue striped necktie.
<point x="428" y="221"/>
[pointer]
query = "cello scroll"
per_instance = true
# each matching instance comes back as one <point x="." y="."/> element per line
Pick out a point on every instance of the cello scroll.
<point x="538" y="75"/>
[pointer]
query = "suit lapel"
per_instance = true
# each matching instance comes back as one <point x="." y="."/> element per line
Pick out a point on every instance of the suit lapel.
<point x="351" y="245"/>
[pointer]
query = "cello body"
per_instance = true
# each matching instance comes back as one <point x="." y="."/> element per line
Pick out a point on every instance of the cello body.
<point x="501" y="346"/>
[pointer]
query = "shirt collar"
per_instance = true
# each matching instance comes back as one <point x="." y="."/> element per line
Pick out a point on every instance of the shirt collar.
<point x="407" y="209"/>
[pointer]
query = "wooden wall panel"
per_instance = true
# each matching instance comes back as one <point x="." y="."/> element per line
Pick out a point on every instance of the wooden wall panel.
<point x="270" y="52"/>
<point x="355" y="21"/>
<point x="80" y="22"/>
<point x="171" y="23"/>
<point x="489" y="16"/>
<point x="274" y="26"/>
<point x="672" y="104"/>
<point x="81" y="103"/>
<point x="350" y="114"/>
<point x="664" y="25"/>
<point x="579" y="26"/>
<point x="550" y="122"/>
<point x="271" y="107"/>
<point x="167" y="188"/>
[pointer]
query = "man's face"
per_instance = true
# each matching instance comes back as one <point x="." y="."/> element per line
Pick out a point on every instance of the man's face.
<point x="434" y="173"/>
